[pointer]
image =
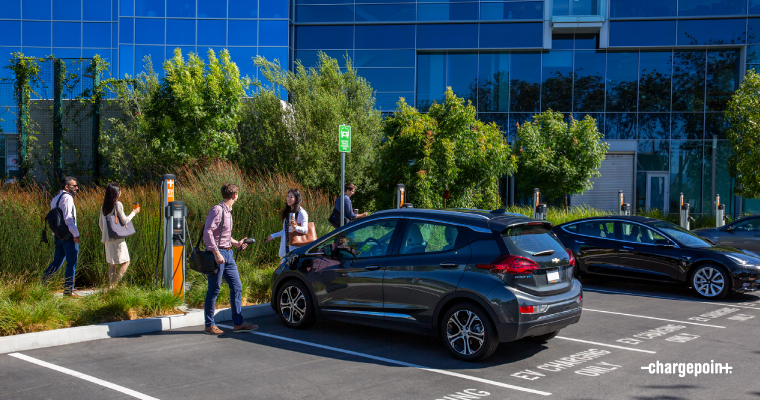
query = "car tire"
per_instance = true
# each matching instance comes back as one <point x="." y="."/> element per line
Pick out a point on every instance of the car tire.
<point x="710" y="281"/>
<point x="295" y="306"/>
<point x="468" y="333"/>
<point x="542" y="338"/>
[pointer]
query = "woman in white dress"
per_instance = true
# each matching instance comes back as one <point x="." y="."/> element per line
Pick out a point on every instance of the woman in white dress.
<point x="299" y="225"/>
<point x="117" y="254"/>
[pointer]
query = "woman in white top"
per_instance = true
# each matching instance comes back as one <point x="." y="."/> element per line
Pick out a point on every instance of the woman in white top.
<point x="300" y="225"/>
<point x="117" y="254"/>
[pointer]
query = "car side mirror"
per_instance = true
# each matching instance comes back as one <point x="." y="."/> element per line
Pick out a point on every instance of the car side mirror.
<point x="663" y="243"/>
<point x="728" y="229"/>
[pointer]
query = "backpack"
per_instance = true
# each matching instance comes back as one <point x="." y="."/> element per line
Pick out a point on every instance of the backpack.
<point x="57" y="222"/>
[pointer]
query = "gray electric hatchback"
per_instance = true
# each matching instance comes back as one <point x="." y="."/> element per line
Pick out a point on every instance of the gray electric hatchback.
<point x="473" y="278"/>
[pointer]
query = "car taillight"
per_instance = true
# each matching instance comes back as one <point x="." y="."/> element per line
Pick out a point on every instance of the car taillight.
<point x="511" y="265"/>
<point x="533" y="309"/>
<point x="571" y="257"/>
<point x="580" y="298"/>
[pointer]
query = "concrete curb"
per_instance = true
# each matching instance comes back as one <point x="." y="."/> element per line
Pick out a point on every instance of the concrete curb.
<point x="60" y="337"/>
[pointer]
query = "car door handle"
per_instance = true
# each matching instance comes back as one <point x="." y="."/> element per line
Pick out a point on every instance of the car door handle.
<point x="628" y="248"/>
<point x="372" y="267"/>
<point x="578" y="241"/>
<point x="448" y="265"/>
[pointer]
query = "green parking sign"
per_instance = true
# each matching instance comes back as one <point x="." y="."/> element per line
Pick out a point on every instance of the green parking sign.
<point x="344" y="139"/>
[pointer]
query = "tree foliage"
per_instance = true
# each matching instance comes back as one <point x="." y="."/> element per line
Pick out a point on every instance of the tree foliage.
<point x="300" y="138"/>
<point x="446" y="149"/>
<point x="558" y="157"/>
<point x="744" y="135"/>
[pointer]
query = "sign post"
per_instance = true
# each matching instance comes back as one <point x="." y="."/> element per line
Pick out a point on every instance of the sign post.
<point x="344" y="146"/>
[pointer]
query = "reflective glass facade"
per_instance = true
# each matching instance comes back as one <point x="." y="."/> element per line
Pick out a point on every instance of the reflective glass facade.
<point x="655" y="73"/>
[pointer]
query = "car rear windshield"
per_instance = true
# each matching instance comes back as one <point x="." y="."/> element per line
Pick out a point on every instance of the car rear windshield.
<point x="529" y="240"/>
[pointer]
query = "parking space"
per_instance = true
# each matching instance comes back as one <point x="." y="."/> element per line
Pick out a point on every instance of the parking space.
<point x="630" y="327"/>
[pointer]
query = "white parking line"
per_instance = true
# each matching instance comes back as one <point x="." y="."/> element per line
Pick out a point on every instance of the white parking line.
<point x="389" y="361"/>
<point x="607" y="345"/>
<point x="80" y="375"/>
<point x="659" y="319"/>
<point x="585" y="289"/>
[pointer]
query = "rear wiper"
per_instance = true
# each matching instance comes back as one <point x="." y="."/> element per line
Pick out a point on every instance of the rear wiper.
<point x="543" y="253"/>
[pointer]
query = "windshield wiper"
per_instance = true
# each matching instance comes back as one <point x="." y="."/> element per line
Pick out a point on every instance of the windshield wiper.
<point x="543" y="253"/>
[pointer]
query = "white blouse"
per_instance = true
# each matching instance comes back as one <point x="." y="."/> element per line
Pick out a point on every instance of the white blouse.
<point x="124" y="219"/>
<point x="302" y="227"/>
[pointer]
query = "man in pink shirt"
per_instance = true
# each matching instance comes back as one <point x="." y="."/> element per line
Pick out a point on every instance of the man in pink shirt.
<point x="68" y="248"/>
<point x="217" y="236"/>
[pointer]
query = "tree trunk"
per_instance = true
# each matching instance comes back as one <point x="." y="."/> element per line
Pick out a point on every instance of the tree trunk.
<point x="567" y="208"/>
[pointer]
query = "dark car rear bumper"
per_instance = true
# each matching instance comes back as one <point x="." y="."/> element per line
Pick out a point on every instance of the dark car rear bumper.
<point x="515" y="331"/>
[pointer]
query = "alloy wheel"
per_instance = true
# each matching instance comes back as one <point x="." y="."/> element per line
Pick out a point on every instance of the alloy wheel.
<point x="293" y="305"/>
<point x="465" y="332"/>
<point x="709" y="282"/>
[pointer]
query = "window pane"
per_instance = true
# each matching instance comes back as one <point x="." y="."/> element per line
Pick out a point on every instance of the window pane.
<point x="126" y="61"/>
<point x="561" y="7"/>
<point x="514" y="119"/>
<point x="181" y="31"/>
<point x="149" y="31"/>
<point x="622" y="81"/>
<point x="423" y="237"/>
<point x="242" y="32"/>
<point x="126" y="8"/>
<point x="383" y="37"/>
<point x="686" y="173"/>
<point x="389" y="79"/>
<point x="722" y="78"/>
<point x="642" y="8"/>
<point x="180" y="8"/>
<point x="41" y="52"/>
<point x="753" y="30"/>
<point x="638" y="233"/>
<point x="557" y="87"/>
<point x="696" y="32"/>
<point x="711" y="7"/>
<point x="212" y="32"/>
<point x="244" y="8"/>
<point x="493" y="82"/>
<point x="588" y="92"/>
<point x="724" y="184"/>
<point x="652" y="155"/>
<point x="688" y="80"/>
<point x="339" y="13"/>
<point x="515" y="35"/>
<point x="367" y="240"/>
<point x="96" y="10"/>
<point x="716" y="125"/>
<point x="501" y="119"/>
<point x="275" y="53"/>
<point x="212" y="8"/>
<point x="115" y="35"/>
<point x="387" y="101"/>
<point x="620" y="126"/>
<point x="10" y="33"/>
<point x="10" y="9"/>
<point x="753" y="54"/>
<point x="585" y="7"/>
<point x="525" y="82"/>
<point x="431" y="79"/>
<point x="156" y="54"/>
<point x="642" y="33"/>
<point x="563" y="41"/>
<point x="324" y="37"/>
<point x="654" y="81"/>
<point x="126" y="30"/>
<point x="67" y="53"/>
<point x="67" y="10"/>
<point x="97" y="34"/>
<point x="149" y="8"/>
<point x="186" y="50"/>
<point x="687" y="126"/>
<point x="35" y="9"/>
<point x="512" y="10"/>
<point x="447" y="12"/>
<point x="598" y="229"/>
<point x="385" y="12"/>
<point x="243" y="58"/>
<point x="273" y="9"/>
<point x="310" y="58"/>
<point x="462" y="75"/>
<point x="273" y="33"/>
<point x="36" y="33"/>
<point x="456" y="36"/>
<point x="384" y="58"/>
<point x="654" y="126"/>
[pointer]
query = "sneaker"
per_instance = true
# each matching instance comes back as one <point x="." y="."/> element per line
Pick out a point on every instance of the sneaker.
<point x="244" y="328"/>
<point x="213" y="330"/>
<point x="72" y="294"/>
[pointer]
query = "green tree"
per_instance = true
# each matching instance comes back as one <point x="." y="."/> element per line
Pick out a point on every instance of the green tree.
<point x="300" y="137"/>
<point x="558" y="157"/>
<point x="744" y="135"/>
<point x="446" y="149"/>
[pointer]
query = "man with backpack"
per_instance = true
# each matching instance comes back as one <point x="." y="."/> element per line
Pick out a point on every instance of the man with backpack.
<point x="66" y="240"/>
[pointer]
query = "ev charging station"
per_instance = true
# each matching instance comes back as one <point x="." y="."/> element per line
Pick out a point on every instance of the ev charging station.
<point x="174" y="236"/>
<point x="623" y="207"/>
<point x="400" y="197"/>
<point x="539" y="210"/>
<point x="684" y="217"/>
<point x="720" y="210"/>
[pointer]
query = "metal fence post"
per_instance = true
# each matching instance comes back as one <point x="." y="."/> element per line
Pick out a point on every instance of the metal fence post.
<point x="58" y="73"/>
<point x="23" y="122"/>
<point x="96" y="123"/>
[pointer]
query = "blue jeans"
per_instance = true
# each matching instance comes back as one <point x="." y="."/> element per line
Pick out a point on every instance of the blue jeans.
<point x="64" y="250"/>
<point x="229" y="272"/>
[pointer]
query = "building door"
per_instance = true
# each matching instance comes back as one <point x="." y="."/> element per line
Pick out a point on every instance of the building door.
<point x="658" y="190"/>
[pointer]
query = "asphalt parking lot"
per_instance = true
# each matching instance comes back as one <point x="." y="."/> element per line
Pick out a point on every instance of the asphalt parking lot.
<point x="624" y="328"/>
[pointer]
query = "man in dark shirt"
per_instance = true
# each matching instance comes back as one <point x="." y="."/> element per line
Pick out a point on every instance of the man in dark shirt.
<point x="348" y="210"/>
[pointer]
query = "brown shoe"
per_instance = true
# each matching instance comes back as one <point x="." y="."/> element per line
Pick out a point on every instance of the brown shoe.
<point x="244" y="328"/>
<point x="72" y="294"/>
<point x="213" y="330"/>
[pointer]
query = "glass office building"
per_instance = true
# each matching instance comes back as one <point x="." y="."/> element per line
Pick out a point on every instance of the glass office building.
<point x="656" y="74"/>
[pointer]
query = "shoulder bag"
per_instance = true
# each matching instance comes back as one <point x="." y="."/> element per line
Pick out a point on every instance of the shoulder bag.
<point x="334" y="219"/>
<point x="300" y="239"/>
<point x="117" y="230"/>
<point x="203" y="261"/>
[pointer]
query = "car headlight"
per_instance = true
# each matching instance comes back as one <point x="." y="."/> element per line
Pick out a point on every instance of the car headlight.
<point x="744" y="262"/>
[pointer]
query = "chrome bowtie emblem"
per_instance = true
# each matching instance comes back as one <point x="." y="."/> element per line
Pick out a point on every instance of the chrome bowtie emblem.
<point x="555" y="260"/>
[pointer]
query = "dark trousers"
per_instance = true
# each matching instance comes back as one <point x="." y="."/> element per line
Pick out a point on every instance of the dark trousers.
<point x="65" y="250"/>
<point x="229" y="272"/>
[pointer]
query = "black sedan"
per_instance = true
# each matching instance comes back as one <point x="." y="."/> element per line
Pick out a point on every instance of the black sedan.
<point x="652" y="249"/>
<point x="743" y="234"/>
